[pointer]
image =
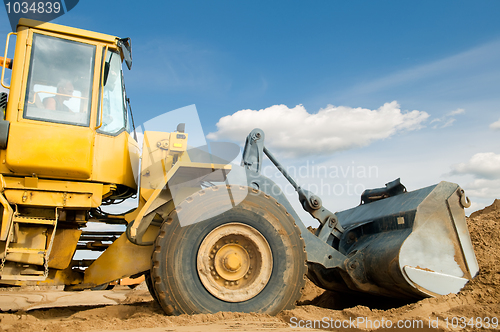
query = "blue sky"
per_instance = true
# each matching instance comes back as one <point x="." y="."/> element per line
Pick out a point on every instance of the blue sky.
<point x="342" y="61"/>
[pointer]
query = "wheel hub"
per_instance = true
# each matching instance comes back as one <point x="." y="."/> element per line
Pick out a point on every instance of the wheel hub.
<point x="234" y="262"/>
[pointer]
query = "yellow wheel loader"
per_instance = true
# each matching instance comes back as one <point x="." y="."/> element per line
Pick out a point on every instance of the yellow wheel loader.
<point x="207" y="235"/>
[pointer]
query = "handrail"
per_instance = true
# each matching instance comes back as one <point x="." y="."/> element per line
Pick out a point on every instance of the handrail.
<point x="4" y="63"/>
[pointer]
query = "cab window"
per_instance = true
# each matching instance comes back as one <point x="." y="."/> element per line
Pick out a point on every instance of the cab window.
<point x="114" y="115"/>
<point x="60" y="81"/>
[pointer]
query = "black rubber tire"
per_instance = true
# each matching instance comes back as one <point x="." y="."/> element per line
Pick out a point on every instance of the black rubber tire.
<point x="151" y="289"/>
<point x="174" y="269"/>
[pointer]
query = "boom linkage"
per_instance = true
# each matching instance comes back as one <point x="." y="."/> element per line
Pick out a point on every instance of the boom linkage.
<point x="311" y="203"/>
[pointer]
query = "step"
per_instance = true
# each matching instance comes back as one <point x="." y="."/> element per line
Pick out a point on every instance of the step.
<point x="22" y="277"/>
<point x="29" y="220"/>
<point x="26" y="251"/>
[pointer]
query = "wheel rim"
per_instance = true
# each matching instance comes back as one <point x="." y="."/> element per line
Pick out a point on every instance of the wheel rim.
<point x="234" y="262"/>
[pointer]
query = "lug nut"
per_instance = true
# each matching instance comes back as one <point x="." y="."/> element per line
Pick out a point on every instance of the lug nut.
<point x="237" y="282"/>
<point x="214" y="251"/>
<point x="216" y="277"/>
<point x="226" y="283"/>
<point x="217" y="246"/>
<point x="231" y="283"/>
<point x="246" y="277"/>
<point x="211" y="256"/>
<point x="214" y="273"/>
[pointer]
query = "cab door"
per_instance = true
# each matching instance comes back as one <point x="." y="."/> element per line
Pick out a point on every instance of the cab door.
<point x="52" y="135"/>
<point x="116" y="157"/>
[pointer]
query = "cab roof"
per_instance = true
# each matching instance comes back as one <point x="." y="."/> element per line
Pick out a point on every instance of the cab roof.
<point x="24" y="22"/>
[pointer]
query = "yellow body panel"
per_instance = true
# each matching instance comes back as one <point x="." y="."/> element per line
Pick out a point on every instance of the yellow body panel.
<point x="54" y="193"/>
<point x="122" y="259"/>
<point x="50" y="150"/>
<point x="116" y="159"/>
<point x="63" y="248"/>
<point x="156" y="161"/>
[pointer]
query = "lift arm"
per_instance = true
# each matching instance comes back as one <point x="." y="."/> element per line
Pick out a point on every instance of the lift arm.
<point x="311" y="203"/>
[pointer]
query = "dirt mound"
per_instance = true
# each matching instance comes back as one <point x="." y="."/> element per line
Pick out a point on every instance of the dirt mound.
<point x="310" y="293"/>
<point x="484" y="227"/>
<point x="495" y="207"/>
<point x="317" y="309"/>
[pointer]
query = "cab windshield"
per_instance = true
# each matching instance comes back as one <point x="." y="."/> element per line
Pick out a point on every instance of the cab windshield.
<point x="60" y="81"/>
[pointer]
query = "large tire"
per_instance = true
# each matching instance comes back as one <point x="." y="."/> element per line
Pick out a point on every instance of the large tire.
<point x="245" y="258"/>
<point x="151" y="289"/>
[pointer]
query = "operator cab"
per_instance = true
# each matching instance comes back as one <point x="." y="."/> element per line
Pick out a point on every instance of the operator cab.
<point x="59" y="87"/>
<point x="67" y="107"/>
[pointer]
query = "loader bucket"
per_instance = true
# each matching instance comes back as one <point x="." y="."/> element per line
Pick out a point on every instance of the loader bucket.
<point x="411" y="245"/>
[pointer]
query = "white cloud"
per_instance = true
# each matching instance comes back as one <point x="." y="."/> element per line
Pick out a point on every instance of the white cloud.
<point x="456" y="112"/>
<point x="485" y="168"/>
<point x="484" y="188"/>
<point x="447" y="120"/>
<point x="495" y="125"/>
<point x="468" y="61"/>
<point x="481" y="165"/>
<point x="296" y="132"/>
<point x="448" y="123"/>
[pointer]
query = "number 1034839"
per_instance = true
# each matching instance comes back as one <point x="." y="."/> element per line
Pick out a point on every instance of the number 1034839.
<point x="475" y="323"/>
<point x="35" y="7"/>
